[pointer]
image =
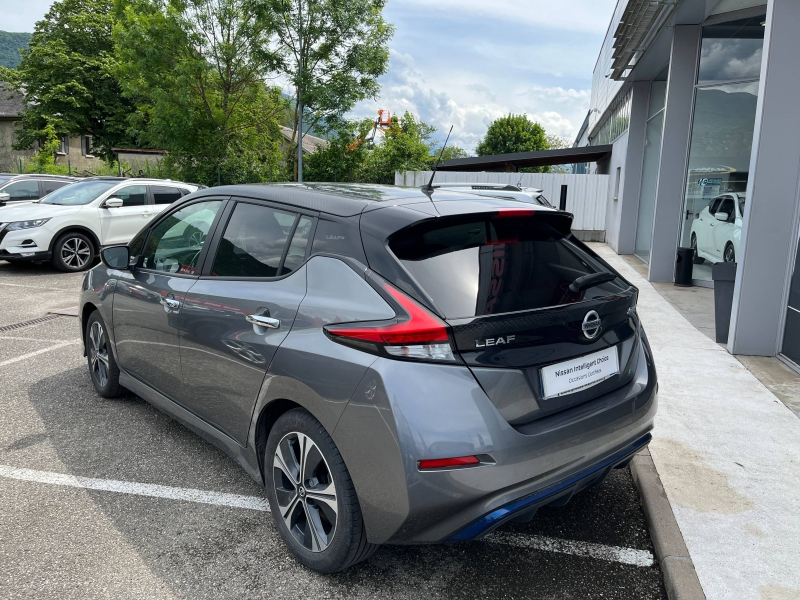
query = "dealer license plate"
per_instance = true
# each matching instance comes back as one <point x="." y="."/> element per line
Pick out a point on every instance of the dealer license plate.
<point x="579" y="373"/>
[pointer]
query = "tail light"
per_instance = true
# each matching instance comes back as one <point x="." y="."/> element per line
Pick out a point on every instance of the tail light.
<point x="415" y="333"/>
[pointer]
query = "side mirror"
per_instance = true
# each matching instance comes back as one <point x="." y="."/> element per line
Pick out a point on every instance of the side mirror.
<point x="113" y="203"/>
<point x="116" y="257"/>
<point x="721" y="216"/>
<point x="4" y="198"/>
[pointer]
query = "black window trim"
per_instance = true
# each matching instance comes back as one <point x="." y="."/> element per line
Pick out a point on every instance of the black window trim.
<point x="205" y="273"/>
<point x="226" y="201"/>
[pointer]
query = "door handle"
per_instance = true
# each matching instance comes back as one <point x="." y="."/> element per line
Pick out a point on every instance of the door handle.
<point x="171" y="303"/>
<point x="263" y="321"/>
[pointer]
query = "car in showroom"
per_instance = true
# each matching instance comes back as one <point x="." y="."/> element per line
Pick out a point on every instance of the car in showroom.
<point x="70" y="225"/>
<point x="394" y="365"/>
<point x="26" y="188"/>
<point x="716" y="232"/>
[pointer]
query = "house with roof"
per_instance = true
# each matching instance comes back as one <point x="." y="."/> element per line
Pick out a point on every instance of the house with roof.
<point x="74" y="151"/>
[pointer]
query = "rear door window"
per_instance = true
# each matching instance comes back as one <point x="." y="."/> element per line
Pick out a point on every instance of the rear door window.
<point x="296" y="255"/>
<point x="51" y="186"/>
<point x="478" y="265"/>
<point x="165" y="195"/>
<point x="253" y="242"/>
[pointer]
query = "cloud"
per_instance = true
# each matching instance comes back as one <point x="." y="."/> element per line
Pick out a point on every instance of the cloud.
<point x="470" y="107"/>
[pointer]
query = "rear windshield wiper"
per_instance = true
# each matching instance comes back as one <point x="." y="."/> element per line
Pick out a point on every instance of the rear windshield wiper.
<point x="587" y="281"/>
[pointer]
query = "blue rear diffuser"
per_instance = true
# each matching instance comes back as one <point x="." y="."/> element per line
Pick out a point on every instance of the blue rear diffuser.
<point x="491" y="520"/>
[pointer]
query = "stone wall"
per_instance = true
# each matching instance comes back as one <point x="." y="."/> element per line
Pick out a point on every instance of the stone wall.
<point x="9" y="158"/>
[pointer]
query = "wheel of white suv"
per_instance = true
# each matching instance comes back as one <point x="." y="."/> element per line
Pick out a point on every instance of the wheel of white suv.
<point x="73" y="252"/>
<point x="311" y="495"/>
<point x="102" y="366"/>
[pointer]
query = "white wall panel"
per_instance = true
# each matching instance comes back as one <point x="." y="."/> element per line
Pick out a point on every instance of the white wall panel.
<point x="587" y="195"/>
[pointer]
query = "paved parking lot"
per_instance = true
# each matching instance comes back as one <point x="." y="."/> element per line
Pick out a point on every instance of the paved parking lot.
<point x="112" y="499"/>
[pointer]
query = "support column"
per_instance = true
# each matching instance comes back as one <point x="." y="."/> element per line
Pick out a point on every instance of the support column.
<point x="769" y="231"/>
<point x="674" y="151"/>
<point x="622" y="214"/>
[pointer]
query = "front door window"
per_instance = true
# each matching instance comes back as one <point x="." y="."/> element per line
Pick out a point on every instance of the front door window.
<point x="175" y="243"/>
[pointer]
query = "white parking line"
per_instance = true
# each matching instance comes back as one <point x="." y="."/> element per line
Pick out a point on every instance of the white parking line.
<point x="11" y="361"/>
<point x="138" y="489"/>
<point x="627" y="556"/>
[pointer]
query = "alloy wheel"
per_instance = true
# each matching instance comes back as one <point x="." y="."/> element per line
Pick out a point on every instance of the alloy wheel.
<point x="75" y="252"/>
<point x="98" y="354"/>
<point x="305" y="491"/>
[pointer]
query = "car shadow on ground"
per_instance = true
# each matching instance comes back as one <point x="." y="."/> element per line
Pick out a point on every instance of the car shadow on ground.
<point x="205" y="551"/>
<point x="32" y="269"/>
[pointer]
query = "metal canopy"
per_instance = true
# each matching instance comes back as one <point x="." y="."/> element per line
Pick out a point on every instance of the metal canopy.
<point x="639" y="20"/>
<point x="511" y="163"/>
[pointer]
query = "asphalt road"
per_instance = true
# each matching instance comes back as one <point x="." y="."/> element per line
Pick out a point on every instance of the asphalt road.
<point x="60" y="539"/>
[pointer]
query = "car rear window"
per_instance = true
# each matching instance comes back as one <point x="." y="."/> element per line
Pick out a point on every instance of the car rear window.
<point x="481" y="265"/>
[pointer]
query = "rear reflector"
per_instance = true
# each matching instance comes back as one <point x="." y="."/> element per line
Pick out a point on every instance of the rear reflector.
<point x="510" y="213"/>
<point x="443" y="463"/>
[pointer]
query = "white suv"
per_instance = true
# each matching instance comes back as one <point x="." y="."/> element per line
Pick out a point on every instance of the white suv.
<point x="71" y="225"/>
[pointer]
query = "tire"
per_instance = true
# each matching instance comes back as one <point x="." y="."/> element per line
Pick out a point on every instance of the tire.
<point x="729" y="255"/>
<point x="103" y="368"/>
<point x="324" y="531"/>
<point x="696" y="258"/>
<point x="73" y="252"/>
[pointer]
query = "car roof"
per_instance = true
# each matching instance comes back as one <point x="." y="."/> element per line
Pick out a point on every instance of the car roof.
<point x="38" y="176"/>
<point x="340" y="199"/>
<point x="135" y="179"/>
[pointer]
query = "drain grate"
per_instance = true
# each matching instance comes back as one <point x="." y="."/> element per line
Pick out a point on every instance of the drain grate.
<point x="16" y="326"/>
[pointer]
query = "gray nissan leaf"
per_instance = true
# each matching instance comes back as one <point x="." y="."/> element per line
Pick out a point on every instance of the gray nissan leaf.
<point x="394" y="365"/>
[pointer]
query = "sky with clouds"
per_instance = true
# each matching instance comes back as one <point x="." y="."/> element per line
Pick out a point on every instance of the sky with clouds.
<point x="467" y="62"/>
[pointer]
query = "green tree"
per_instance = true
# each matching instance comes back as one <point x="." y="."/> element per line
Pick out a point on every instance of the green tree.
<point x="197" y="68"/>
<point x="556" y="142"/>
<point x="332" y="52"/>
<point x="514" y="133"/>
<point x="67" y="76"/>
<point x="345" y="157"/>
<point x="406" y="147"/>
<point x="450" y="152"/>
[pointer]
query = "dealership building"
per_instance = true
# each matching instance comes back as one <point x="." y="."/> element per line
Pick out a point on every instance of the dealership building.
<point x="700" y="103"/>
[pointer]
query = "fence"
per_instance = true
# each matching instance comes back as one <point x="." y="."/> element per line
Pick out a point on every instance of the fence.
<point x="587" y="195"/>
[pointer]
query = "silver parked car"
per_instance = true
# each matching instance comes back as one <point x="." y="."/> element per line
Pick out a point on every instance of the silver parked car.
<point x="395" y="366"/>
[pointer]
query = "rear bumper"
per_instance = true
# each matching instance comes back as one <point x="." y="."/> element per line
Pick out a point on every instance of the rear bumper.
<point x="437" y="411"/>
<point x="558" y="494"/>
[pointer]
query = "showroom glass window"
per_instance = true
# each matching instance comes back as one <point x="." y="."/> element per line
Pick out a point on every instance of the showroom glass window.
<point x="722" y="138"/>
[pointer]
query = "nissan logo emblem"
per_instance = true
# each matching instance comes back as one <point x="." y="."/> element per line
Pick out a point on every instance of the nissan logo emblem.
<point x="591" y="325"/>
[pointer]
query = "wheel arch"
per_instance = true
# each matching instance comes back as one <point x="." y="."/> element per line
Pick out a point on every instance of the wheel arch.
<point x="78" y="229"/>
<point x="269" y="414"/>
<point x="86" y="312"/>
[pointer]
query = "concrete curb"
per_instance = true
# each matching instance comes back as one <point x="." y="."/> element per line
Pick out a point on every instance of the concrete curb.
<point x="680" y="578"/>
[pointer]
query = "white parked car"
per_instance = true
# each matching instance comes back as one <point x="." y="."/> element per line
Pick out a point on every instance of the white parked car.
<point x="716" y="232"/>
<point x="70" y="225"/>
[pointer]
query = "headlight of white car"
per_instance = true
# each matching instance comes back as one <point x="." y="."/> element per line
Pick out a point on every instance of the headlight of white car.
<point x="17" y="225"/>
